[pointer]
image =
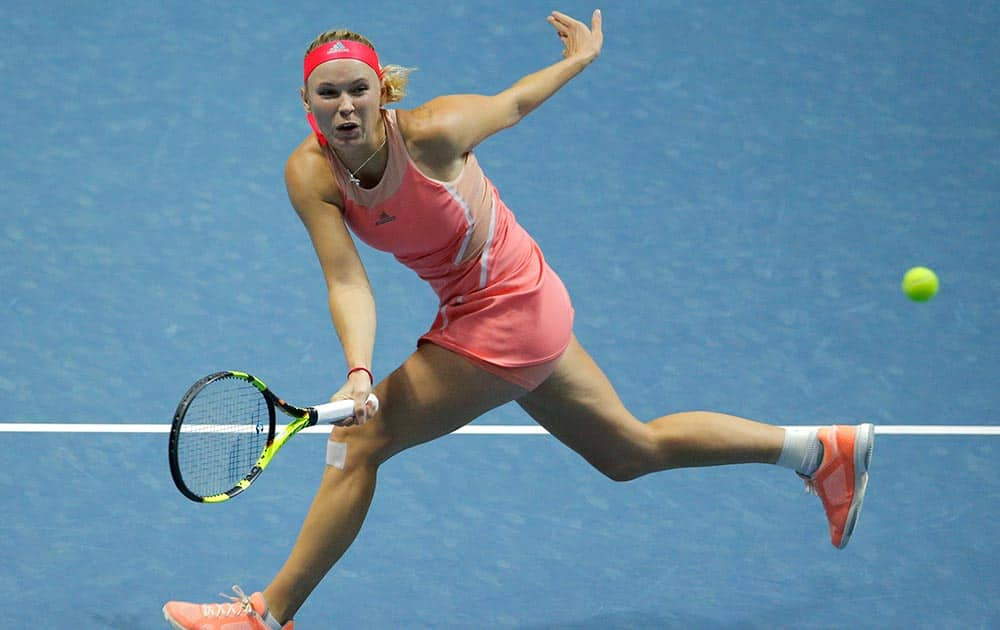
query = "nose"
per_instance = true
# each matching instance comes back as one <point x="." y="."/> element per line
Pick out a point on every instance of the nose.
<point x="345" y="107"/>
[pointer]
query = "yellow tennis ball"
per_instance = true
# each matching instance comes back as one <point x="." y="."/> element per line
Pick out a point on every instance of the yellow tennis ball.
<point x="920" y="284"/>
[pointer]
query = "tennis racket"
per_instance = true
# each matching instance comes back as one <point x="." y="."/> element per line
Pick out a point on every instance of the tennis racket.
<point x="223" y="434"/>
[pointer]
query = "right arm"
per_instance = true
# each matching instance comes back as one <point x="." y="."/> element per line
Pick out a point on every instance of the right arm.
<point x="314" y="195"/>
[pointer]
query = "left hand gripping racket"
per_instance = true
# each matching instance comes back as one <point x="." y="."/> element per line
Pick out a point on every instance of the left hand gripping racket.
<point x="223" y="434"/>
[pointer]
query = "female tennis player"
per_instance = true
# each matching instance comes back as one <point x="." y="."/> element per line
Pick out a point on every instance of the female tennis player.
<point x="407" y="182"/>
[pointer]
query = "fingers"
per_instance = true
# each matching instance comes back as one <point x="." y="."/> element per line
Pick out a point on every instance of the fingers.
<point x="577" y="39"/>
<point x="559" y="19"/>
<point x="562" y="23"/>
<point x="364" y="408"/>
<point x="368" y="409"/>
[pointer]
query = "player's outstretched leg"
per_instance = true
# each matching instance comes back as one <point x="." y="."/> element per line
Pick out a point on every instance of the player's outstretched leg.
<point x="580" y="407"/>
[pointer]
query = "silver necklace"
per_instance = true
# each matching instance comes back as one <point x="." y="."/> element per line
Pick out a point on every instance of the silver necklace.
<point x="353" y="177"/>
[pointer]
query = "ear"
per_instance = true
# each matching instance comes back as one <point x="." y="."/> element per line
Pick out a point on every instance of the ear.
<point x="305" y="101"/>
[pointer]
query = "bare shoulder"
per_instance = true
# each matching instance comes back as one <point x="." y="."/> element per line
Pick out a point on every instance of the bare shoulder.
<point x="419" y="126"/>
<point x="435" y="120"/>
<point x="308" y="178"/>
<point x="431" y="138"/>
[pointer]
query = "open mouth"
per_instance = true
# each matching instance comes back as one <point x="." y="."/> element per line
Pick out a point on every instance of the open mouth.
<point x="348" y="126"/>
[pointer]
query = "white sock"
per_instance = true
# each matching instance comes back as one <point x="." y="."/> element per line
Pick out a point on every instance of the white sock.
<point x="802" y="451"/>
<point x="271" y="622"/>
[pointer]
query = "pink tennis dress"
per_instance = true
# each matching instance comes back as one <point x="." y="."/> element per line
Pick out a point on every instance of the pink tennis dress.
<point x="500" y="304"/>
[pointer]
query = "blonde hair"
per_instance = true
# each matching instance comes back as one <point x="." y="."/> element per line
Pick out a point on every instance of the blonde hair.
<point x="394" y="78"/>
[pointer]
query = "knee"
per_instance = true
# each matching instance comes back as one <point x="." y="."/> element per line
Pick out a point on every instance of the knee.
<point x="620" y="469"/>
<point x="627" y="460"/>
<point x="621" y="464"/>
<point x="355" y="447"/>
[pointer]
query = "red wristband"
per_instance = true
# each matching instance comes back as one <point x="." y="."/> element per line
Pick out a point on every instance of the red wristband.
<point x="371" y="376"/>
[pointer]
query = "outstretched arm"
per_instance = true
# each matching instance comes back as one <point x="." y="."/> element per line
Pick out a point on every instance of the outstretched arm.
<point x="581" y="46"/>
<point x="455" y="124"/>
<point x="352" y="307"/>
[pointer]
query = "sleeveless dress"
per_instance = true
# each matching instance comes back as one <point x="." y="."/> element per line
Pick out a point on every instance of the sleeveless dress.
<point x="500" y="304"/>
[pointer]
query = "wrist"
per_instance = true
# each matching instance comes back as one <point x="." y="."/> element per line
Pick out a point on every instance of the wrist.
<point x="361" y="369"/>
<point x="581" y="59"/>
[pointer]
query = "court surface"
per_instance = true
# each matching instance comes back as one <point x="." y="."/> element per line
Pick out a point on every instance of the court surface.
<point x="731" y="193"/>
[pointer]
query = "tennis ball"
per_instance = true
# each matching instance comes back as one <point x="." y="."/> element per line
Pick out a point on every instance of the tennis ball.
<point x="920" y="284"/>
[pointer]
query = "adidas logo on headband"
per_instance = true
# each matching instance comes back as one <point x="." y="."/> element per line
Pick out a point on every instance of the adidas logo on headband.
<point x="341" y="50"/>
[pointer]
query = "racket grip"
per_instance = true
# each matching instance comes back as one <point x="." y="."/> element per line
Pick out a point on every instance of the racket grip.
<point x="340" y="409"/>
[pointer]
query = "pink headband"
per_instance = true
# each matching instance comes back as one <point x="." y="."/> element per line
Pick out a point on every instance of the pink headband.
<point x="341" y="49"/>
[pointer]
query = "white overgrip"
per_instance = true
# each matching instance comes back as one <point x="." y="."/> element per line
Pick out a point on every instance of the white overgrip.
<point x="341" y="409"/>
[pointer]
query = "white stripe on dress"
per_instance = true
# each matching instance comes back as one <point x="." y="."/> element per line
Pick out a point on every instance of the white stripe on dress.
<point x="484" y="259"/>
<point x="470" y="223"/>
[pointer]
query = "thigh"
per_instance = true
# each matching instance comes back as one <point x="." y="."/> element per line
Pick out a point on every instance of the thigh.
<point x="580" y="407"/>
<point x="433" y="393"/>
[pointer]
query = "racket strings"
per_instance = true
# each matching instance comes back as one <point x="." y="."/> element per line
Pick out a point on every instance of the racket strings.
<point x="225" y="429"/>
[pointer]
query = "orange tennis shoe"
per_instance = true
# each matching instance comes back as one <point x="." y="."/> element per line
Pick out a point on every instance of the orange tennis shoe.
<point x="842" y="477"/>
<point x="240" y="613"/>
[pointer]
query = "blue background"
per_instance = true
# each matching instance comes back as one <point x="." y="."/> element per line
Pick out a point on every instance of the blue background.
<point x="732" y="193"/>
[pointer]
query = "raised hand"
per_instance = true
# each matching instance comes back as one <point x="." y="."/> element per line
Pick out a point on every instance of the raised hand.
<point x="578" y="40"/>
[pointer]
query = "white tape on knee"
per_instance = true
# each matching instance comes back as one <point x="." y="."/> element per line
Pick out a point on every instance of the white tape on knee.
<point x="336" y="454"/>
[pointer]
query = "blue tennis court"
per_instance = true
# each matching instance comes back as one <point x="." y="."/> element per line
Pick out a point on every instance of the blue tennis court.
<point x="731" y="193"/>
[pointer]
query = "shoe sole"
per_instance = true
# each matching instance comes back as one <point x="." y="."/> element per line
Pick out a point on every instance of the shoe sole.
<point x="864" y="444"/>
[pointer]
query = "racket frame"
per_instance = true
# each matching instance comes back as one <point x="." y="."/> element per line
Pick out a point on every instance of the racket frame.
<point x="302" y="417"/>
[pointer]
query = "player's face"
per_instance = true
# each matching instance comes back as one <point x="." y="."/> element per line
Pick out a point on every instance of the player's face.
<point x="345" y="95"/>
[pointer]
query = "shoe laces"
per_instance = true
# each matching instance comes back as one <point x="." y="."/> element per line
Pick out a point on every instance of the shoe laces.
<point x="239" y="605"/>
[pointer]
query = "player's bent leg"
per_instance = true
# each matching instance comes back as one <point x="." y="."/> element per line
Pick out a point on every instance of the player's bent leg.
<point x="580" y="407"/>
<point x="432" y="394"/>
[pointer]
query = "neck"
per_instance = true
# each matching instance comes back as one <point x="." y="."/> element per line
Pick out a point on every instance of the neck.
<point x="368" y="161"/>
<point x="358" y="154"/>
